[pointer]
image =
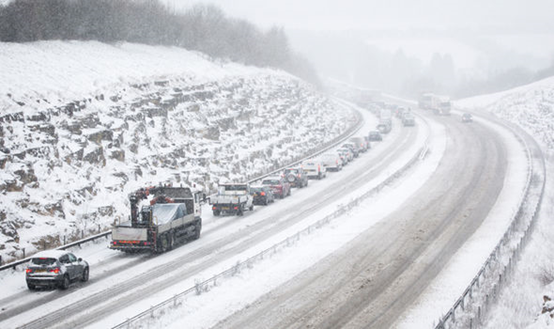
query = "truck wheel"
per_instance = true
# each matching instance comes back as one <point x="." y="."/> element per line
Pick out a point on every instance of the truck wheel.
<point x="197" y="229"/>
<point x="169" y="238"/>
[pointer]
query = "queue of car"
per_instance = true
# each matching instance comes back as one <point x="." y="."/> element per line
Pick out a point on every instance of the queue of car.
<point x="59" y="268"/>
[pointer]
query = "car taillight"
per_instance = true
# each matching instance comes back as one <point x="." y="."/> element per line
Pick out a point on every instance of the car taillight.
<point x="262" y="194"/>
<point x="214" y="208"/>
<point x="55" y="270"/>
<point x="28" y="270"/>
<point x="236" y="208"/>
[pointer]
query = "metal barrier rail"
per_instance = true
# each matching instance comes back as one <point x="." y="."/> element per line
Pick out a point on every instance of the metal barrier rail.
<point x="206" y="285"/>
<point x="322" y="148"/>
<point x="482" y="289"/>
<point x="13" y="265"/>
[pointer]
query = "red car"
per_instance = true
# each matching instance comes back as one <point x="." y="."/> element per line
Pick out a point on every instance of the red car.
<point x="280" y="187"/>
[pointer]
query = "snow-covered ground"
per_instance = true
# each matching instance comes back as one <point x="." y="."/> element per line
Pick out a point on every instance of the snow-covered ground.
<point x="85" y="123"/>
<point x="521" y="302"/>
<point x="129" y="73"/>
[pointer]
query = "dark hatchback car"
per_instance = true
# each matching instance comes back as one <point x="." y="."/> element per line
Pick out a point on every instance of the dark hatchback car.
<point x="55" y="268"/>
<point x="375" y="136"/>
<point x="263" y="195"/>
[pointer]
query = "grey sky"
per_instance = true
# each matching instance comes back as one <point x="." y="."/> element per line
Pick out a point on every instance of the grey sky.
<point x="525" y="15"/>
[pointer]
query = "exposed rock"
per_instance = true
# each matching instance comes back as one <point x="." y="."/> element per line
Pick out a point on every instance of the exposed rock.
<point x="90" y="121"/>
<point x="118" y="155"/>
<point x="96" y="157"/>
<point x="41" y="116"/>
<point x="99" y="136"/>
<point x="12" y="117"/>
<point x="155" y="112"/>
<point x="9" y="228"/>
<point x="54" y="209"/>
<point x="26" y="176"/>
<point x="75" y="157"/>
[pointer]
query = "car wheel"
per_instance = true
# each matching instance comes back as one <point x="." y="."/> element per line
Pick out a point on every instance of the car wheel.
<point x="31" y="286"/>
<point x="65" y="282"/>
<point x="84" y="275"/>
<point x="290" y="192"/>
<point x="216" y="212"/>
<point x="251" y="208"/>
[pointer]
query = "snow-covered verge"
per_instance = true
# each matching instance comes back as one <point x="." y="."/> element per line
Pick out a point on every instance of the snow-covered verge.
<point x="82" y="124"/>
<point x="531" y="107"/>
<point x="521" y="303"/>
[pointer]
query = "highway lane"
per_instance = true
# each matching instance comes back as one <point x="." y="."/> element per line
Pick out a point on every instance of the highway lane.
<point x="372" y="280"/>
<point x="131" y="277"/>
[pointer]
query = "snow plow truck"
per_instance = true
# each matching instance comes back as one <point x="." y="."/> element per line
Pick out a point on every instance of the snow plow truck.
<point x="167" y="216"/>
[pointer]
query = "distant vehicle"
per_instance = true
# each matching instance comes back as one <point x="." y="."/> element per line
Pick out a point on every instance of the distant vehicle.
<point x="384" y="127"/>
<point x="467" y="117"/>
<point x="262" y="195"/>
<point x="296" y="177"/>
<point x="314" y="168"/>
<point x="375" y="136"/>
<point x="346" y="153"/>
<point x="331" y="161"/>
<point x="55" y="268"/>
<point x="408" y="120"/>
<point x="360" y="142"/>
<point x="167" y="216"/>
<point x="353" y="148"/>
<point x="232" y="198"/>
<point x="281" y="188"/>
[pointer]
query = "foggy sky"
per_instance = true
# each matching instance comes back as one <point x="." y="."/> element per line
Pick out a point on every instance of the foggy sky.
<point x="525" y="15"/>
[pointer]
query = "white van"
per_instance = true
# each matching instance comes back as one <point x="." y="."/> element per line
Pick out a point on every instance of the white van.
<point x="314" y="168"/>
<point x="331" y="161"/>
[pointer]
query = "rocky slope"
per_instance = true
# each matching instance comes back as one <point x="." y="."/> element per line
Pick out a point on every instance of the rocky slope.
<point x="68" y="164"/>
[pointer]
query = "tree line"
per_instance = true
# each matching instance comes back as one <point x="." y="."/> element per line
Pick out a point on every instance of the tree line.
<point x="203" y="28"/>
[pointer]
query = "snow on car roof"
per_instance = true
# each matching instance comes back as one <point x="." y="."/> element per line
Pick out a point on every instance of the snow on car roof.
<point x="50" y="253"/>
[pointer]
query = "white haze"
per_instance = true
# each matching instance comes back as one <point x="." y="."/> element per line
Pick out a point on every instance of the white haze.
<point x="394" y="45"/>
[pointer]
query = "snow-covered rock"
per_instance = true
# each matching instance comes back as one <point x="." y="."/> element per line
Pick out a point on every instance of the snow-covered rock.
<point x="82" y="124"/>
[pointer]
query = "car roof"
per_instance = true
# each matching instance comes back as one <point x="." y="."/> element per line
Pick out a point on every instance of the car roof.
<point x="55" y="253"/>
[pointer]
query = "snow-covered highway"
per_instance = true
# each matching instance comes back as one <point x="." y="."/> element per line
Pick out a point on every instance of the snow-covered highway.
<point x="370" y="277"/>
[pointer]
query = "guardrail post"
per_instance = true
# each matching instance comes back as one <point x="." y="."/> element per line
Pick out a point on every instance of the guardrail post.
<point x="0" y="260"/>
<point x="22" y="249"/>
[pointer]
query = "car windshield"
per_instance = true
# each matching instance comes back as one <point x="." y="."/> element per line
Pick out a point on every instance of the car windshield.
<point x="43" y="261"/>
<point x="291" y="171"/>
<point x="256" y="189"/>
<point x="271" y="182"/>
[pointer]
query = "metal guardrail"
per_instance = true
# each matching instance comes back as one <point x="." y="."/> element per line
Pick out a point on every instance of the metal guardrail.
<point x="322" y="148"/>
<point x="470" y="307"/>
<point x="214" y="281"/>
<point x="13" y="265"/>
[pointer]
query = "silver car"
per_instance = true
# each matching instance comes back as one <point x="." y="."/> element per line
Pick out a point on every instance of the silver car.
<point x="55" y="268"/>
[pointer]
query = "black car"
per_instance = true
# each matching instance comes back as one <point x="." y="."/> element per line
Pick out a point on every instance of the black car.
<point x="375" y="136"/>
<point x="55" y="268"/>
<point x="466" y="117"/>
<point x="296" y="177"/>
<point x="262" y="195"/>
